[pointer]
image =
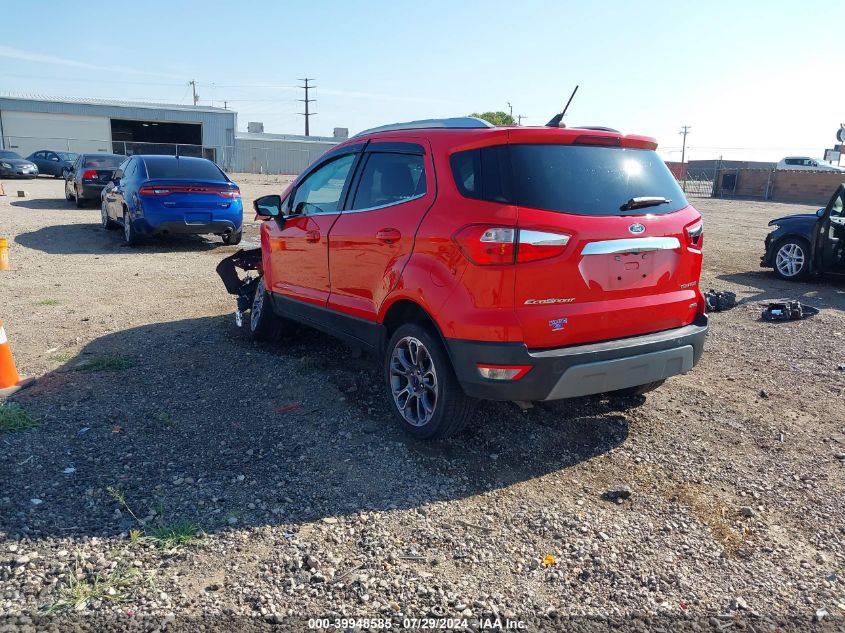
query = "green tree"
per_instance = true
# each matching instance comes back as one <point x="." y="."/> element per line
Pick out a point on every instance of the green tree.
<point x="496" y="118"/>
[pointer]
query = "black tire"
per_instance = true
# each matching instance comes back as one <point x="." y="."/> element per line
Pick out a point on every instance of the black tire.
<point x="130" y="235"/>
<point x="230" y="239"/>
<point x="263" y="324"/>
<point x="450" y="410"/>
<point x="77" y="200"/>
<point x="105" y="221"/>
<point x="638" y="390"/>
<point x="791" y="259"/>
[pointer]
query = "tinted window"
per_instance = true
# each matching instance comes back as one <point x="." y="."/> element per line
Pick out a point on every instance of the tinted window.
<point x="102" y="162"/>
<point x="8" y="154"/>
<point x="389" y="179"/>
<point x="321" y="190"/>
<point x="579" y="179"/>
<point x="180" y="168"/>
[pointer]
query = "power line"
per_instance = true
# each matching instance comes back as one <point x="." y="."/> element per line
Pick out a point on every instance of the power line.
<point x="307" y="114"/>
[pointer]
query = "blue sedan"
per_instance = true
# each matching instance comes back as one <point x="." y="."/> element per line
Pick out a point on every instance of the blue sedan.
<point x="161" y="195"/>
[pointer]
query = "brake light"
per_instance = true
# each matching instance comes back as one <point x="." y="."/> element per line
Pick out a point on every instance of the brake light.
<point x="591" y="139"/>
<point x="695" y="234"/>
<point x="497" y="245"/>
<point x="503" y="372"/>
<point x="154" y="191"/>
<point x="487" y="245"/>
<point x="89" y="174"/>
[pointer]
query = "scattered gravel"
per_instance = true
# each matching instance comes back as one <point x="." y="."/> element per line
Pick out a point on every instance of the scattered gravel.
<point x="726" y="504"/>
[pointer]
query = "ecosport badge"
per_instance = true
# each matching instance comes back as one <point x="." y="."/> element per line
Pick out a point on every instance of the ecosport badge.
<point x="534" y="302"/>
<point x="637" y="228"/>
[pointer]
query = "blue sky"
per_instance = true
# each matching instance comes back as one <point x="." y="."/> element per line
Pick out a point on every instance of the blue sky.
<point x="753" y="80"/>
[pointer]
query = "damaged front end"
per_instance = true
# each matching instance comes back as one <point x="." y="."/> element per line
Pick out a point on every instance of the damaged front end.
<point x="242" y="287"/>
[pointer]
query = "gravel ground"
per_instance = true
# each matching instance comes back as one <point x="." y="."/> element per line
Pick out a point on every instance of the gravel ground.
<point x="294" y="495"/>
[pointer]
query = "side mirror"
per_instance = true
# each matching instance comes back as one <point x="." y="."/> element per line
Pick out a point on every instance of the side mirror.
<point x="268" y="206"/>
<point x="820" y="212"/>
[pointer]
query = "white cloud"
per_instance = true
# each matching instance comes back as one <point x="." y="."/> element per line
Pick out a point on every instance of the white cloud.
<point x="37" y="58"/>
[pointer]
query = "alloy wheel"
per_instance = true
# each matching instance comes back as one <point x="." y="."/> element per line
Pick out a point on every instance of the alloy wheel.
<point x="127" y="227"/>
<point x="790" y="259"/>
<point x="257" y="303"/>
<point x="413" y="381"/>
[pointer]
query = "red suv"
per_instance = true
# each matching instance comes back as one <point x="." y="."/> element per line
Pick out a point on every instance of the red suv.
<point x="505" y="263"/>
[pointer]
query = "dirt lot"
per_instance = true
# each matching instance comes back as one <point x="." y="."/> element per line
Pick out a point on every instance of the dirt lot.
<point x="158" y="419"/>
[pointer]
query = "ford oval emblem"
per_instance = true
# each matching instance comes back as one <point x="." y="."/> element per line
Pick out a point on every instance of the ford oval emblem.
<point x="637" y="228"/>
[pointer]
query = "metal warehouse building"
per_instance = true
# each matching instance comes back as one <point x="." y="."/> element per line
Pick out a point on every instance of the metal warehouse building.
<point x="279" y="153"/>
<point x="94" y="125"/>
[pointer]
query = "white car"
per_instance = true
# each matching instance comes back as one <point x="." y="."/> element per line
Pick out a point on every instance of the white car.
<point x="806" y="163"/>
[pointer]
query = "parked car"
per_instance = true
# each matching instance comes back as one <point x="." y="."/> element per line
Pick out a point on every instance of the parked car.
<point x="150" y="195"/>
<point x="806" y="163"/>
<point x="808" y="243"/>
<point x="88" y="175"/>
<point x="52" y="163"/>
<point x="478" y="262"/>
<point x="13" y="166"/>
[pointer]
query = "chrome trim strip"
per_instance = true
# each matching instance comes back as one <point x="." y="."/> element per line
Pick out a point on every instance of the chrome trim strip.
<point x="542" y="238"/>
<point x="385" y="206"/>
<point x="632" y="245"/>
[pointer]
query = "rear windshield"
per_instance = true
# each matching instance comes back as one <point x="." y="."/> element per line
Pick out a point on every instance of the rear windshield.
<point x="68" y="156"/>
<point x="579" y="179"/>
<point x="103" y="162"/>
<point x="188" y="169"/>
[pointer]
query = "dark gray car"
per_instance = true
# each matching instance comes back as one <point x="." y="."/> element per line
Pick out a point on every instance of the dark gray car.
<point x="88" y="175"/>
<point x="52" y="163"/>
<point x="13" y="166"/>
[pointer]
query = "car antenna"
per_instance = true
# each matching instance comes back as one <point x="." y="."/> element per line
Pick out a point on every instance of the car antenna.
<point x="557" y="120"/>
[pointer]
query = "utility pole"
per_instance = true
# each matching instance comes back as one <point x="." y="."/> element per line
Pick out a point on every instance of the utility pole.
<point x="510" y="107"/>
<point x="519" y="118"/>
<point x="307" y="114"/>
<point x="225" y="104"/>
<point x="684" y="130"/>
<point x="193" y="83"/>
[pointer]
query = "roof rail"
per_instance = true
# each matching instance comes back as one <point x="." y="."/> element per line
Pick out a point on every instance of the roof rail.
<point x="456" y="123"/>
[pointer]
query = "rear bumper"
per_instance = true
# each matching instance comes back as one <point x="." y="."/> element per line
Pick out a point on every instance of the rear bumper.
<point x="90" y="192"/>
<point x="579" y="370"/>
<point x="181" y="227"/>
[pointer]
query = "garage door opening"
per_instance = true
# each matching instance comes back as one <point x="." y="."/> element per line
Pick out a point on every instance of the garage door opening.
<point x="156" y="137"/>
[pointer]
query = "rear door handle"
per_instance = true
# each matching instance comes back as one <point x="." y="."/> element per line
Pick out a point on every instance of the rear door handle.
<point x="388" y="235"/>
<point x="312" y="236"/>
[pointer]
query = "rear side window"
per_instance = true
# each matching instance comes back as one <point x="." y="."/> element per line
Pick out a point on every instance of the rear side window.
<point x="578" y="179"/>
<point x="187" y="169"/>
<point x="390" y="179"/>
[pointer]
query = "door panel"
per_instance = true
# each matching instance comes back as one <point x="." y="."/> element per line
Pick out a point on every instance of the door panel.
<point x="298" y="244"/>
<point x="371" y="242"/>
<point x="831" y="232"/>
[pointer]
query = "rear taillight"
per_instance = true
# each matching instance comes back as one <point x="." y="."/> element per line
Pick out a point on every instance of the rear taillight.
<point x="502" y="372"/>
<point x="497" y="245"/>
<point x="487" y="245"/>
<point x="534" y="245"/>
<point x="695" y="234"/>
<point x="223" y="192"/>
<point x="89" y="174"/>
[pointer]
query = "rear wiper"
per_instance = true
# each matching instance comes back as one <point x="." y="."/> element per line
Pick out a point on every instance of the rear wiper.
<point x="644" y="201"/>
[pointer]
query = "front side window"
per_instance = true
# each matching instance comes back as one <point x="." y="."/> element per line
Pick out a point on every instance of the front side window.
<point x="320" y="191"/>
<point x="390" y="179"/>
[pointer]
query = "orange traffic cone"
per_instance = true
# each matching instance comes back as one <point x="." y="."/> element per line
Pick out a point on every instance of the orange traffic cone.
<point x="4" y="254"/>
<point x="10" y="382"/>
